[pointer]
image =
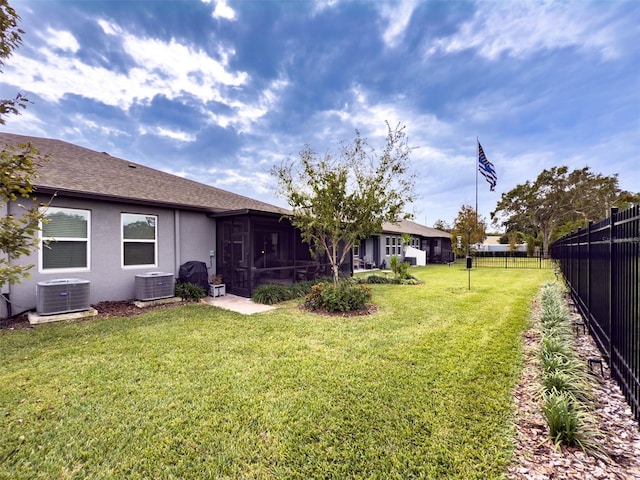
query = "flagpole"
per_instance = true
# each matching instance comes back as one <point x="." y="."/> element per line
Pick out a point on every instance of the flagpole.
<point x="476" y="165"/>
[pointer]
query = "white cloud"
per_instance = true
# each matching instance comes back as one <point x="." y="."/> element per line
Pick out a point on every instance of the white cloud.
<point x="244" y="114"/>
<point x="222" y="10"/>
<point x="168" y="68"/>
<point x="27" y="123"/>
<point x="397" y="16"/>
<point x="178" y="173"/>
<point x="190" y="68"/>
<point x="321" y="5"/>
<point x="61" y="40"/>
<point x="167" y="133"/>
<point x="523" y="28"/>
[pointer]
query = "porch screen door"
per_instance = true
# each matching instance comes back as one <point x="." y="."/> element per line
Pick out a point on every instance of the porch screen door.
<point x="234" y="264"/>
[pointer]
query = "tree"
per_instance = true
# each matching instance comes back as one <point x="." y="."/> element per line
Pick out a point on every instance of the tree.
<point x="338" y="200"/>
<point x="18" y="164"/>
<point x="10" y="39"/>
<point x="405" y="238"/>
<point x="557" y="197"/>
<point x="468" y="226"/>
<point x="18" y="233"/>
<point x="442" y="225"/>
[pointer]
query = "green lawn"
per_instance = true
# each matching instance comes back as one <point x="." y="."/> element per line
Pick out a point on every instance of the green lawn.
<point x="421" y="389"/>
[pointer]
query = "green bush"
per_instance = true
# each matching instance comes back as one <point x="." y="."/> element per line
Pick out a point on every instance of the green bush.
<point x="347" y="296"/>
<point x="399" y="269"/>
<point x="377" y="279"/>
<point x="190" y="292"/>
<point x="567" y="382"/>
<point x="562" y="417"/>
<point x="565" y="390"/>
<point x="408" y="280"/>
<point x="557" y="362"/>
<point x="269" y="293"/>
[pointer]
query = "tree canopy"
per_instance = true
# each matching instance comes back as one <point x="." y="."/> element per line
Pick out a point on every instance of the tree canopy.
<point x="10" y="39"/>
<point x="19" y="227"/>
<point x="442" y="225"/>
<point x="558" y="197"/>
<point x="340" y="199"/>
<point x="18" y="163"/>
<point x="469" y="227"/>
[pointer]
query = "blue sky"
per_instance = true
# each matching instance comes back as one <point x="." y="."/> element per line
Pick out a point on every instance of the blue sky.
<point x="220" y="91"/>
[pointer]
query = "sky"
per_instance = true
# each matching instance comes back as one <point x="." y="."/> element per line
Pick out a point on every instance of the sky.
<point x="222" y="91"/>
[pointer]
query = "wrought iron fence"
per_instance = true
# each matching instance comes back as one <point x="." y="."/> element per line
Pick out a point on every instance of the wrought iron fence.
<point x="511" y="260"/>
<point x="600" y="264"/>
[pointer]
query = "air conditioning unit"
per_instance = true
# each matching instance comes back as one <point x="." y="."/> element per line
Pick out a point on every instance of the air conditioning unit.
<point x="154" y="285"/>
<point x="64" y="295"/>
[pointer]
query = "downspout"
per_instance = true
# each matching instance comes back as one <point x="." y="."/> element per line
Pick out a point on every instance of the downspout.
<point x="6" y="289"/>
<point x="176" y="241"/>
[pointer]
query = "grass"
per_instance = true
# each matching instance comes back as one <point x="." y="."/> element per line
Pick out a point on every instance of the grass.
<point x="421" y="389"/>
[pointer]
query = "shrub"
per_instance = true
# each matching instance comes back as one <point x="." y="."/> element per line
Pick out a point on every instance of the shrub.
<point x="565" y="390"/>
<point x="190" y="292"/>
<point x="567" y="382"/>
<point x="347" y="296"/>
<point x="377" y="279"/>
<point x="555" y="346"/>
<point x="557" y="362"/>
<point x="562" y="417"/>
<point x="399" y="269"/>
<point x="269" y="293"/>
<point x="408" y="280"/>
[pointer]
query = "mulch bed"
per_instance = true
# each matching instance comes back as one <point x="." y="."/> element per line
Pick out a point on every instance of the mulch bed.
<point x="105" y="310"/>
<point x="537" y="458"/>
<point x="369" y="309"/>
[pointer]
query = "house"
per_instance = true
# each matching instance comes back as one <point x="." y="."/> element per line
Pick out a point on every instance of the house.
<point x="427" y="245"/>
<point x="491" y="245"/>
<point x="110" y="219"/>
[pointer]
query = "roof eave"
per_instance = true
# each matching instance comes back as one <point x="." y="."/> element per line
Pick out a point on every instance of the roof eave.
<point x="113" y="198"/>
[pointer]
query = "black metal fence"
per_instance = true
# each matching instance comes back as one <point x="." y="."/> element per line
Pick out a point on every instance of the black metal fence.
<point x="601" y="266"/>
<point x="510" y="260"/>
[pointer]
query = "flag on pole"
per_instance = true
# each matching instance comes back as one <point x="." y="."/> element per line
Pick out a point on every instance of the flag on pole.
<point x="486" y="168"/>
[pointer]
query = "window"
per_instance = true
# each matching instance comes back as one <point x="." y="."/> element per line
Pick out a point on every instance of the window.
<point x="139" y="240"/>
<point x="65" y="239"/>
<point x="387" y="246"/>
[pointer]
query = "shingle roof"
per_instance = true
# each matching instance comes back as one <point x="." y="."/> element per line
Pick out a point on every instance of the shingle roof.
<point x="74" y="170"/>
<point x="413" y="228"/>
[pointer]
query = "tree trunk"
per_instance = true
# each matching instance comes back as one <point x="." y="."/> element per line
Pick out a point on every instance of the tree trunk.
<point x="336" y="273"/>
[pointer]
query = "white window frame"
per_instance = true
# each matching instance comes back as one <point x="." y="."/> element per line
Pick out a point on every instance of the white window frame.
<point x="145" y="240"/>
<point x="43" y="239"/>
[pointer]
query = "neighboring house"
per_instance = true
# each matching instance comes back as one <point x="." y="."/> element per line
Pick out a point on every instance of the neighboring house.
<point x="492" y="244"/>
<point x="110" y="219"/>
<point x="427" y="245"/>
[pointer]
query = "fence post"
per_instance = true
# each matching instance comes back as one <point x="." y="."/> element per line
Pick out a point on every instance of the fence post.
<point x="613" y="310"/>
<point x="589" y="226"/>
<point x="578" y="261"/>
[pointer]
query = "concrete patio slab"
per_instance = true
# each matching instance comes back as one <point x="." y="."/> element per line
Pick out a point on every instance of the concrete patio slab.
<point x="35" y="319"/>
<point x="234" y="303"/>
